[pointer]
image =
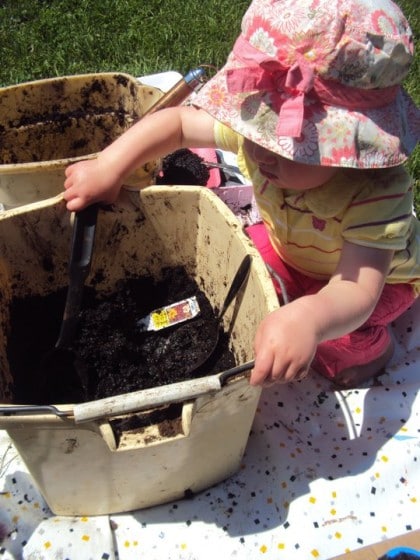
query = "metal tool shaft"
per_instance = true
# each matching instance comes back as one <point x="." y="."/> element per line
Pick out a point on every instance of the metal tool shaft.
<point x="179" y="92"/>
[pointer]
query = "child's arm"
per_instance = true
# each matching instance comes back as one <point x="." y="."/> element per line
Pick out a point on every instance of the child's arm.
<point x="287" y="339"/>
<point x="100" y="179"/>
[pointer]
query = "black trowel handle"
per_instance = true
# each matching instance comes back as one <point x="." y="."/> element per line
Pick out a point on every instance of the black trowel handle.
<point x="80" y="260"/>
<point x="237" y="282"/>
<point x="83" y="240"/>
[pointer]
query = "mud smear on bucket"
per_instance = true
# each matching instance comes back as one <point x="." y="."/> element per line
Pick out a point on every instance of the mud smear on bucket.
<point x="100" y="111"/>
<point x="110" y="353"/>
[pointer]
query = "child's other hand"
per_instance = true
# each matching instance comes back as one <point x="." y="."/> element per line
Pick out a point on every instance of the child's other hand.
<point x="87" y="182"/>
<point x="287" y="339"/>
<point x="285" y="344"/>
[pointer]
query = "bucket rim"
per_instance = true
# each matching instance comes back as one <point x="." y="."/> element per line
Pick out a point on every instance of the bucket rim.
<point x="67" y="77"/>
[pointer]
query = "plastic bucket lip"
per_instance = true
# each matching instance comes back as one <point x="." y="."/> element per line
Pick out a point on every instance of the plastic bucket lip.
<point x="40" y="166"/>
<point x="55" y="79"/>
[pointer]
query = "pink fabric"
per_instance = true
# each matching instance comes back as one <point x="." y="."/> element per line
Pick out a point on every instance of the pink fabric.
<point x="295" y="283"/>
<point x="362" y="345"/>
<point x="210" y="155"/>
<point x="268" y="74"/>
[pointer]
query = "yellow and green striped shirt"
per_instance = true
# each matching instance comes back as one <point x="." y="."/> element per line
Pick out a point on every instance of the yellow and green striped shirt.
<point x="371" y="208"/>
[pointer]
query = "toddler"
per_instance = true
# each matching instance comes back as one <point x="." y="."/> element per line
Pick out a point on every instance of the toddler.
<point x="310" y="100"/>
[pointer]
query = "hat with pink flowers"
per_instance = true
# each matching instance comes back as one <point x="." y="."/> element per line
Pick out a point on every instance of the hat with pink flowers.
<point x="319" y="82"/>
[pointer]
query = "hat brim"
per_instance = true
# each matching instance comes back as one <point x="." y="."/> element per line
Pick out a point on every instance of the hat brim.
<point x="331" y="136"/>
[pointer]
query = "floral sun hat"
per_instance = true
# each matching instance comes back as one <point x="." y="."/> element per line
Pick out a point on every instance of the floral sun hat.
<point x="318" y="81"/>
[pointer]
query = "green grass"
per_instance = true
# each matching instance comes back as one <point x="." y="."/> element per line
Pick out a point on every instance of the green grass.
<point x="47" y="38"/>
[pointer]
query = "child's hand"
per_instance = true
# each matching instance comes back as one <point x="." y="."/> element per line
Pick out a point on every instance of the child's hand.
<point x="287" y="339"/>
<point x="88" y="182"/>
<point x="154" y="136"/>
<point x="285" y="344"/>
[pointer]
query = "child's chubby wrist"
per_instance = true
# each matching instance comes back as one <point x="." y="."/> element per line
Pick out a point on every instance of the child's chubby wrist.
<point x="110" y="167"/>
<point x="308" y="313"/>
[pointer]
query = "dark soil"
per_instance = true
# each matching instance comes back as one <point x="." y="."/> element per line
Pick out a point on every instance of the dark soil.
<point x="183" y="167"/>
<point x="110" y="355"/>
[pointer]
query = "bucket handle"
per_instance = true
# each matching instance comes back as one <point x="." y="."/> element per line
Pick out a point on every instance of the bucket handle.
<point x="225" y="376"/>
<point x="12" y="410"/>
<point x="157" y="396"/>
<point x="137" y="400"/>
<point x="145" y="399"/>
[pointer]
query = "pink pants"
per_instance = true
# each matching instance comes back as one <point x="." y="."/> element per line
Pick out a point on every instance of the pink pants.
<point x="358" y="347"/>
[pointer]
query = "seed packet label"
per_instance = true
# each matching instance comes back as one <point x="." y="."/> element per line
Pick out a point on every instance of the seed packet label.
<point x="170" y="315"/>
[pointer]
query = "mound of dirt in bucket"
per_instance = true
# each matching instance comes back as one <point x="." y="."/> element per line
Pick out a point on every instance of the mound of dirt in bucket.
<point x="111" y="354"/>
